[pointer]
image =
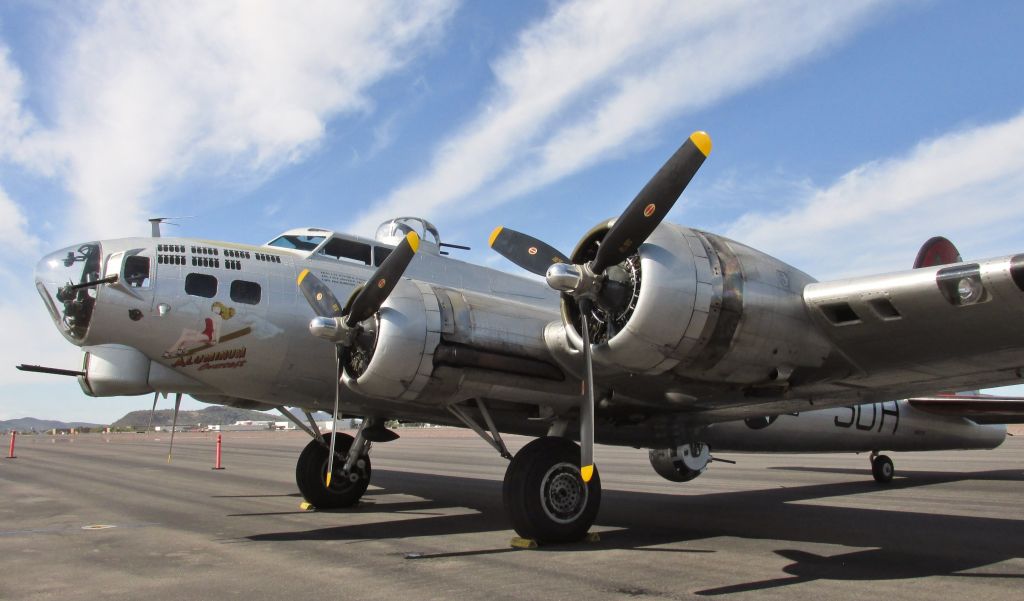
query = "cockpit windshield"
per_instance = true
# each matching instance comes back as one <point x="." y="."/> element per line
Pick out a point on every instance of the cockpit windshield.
<point x="297" y="242"/>
<point x="65" y="280"/>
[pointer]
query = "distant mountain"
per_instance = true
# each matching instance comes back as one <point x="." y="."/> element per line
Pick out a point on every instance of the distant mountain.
<point x="213" y="415"/>
<point x="28" y="424"/>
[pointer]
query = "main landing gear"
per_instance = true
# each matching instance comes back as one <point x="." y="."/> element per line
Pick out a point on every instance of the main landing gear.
<point x="351" y="475"/>
<point x="545" y="496"/>
<point x="345" y="489"/>
<point x="882" y="468"/>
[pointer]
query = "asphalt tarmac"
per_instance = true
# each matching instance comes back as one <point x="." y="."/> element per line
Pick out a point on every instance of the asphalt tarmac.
<point x="105" y="517"/>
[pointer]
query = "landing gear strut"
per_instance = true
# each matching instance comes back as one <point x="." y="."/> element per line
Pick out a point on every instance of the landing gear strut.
<point x="882" y="468"/>
<point x="311" y="472"/>
<point x="545" y="496"/>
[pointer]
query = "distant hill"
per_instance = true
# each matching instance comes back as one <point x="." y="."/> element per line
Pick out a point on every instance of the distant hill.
<point x="28" y="424"/>
<point x="213" y="415"/>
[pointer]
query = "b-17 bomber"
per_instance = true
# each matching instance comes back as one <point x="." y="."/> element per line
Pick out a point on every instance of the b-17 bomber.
<point x="648" y="334"/>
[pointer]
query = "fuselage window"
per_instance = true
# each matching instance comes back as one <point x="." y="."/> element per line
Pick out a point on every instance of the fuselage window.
<point x="201" y="284"/>
<point x="380" y="253"/>
<point x="245" y="292"/>
<point x="347" y="250"/>
<point x="136" y="271"/>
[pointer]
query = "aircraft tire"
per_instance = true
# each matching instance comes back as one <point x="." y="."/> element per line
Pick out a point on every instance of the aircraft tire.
<point x="311" y="469"/>
<point x="882" y="469"/>
<point x="545" y="497"/>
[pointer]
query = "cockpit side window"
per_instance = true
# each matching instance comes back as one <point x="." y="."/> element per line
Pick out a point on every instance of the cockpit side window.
<point x="298" y="242"/>
<point x="380" y="253"/>
<point x="136" y="271"/>
<point x="347" y="250"/>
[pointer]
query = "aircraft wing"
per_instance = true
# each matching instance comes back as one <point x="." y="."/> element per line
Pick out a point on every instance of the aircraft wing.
<point x="948" y="327"/>
<point x="979" y="409"/>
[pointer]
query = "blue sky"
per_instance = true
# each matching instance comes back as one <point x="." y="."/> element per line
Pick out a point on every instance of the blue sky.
<point x="845" y="134"/>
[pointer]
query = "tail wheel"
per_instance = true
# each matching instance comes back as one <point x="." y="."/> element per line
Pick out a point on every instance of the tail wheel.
<point x="882" y="469"/>
<point x="311" y="474"/>
<point x="545" y="497"/>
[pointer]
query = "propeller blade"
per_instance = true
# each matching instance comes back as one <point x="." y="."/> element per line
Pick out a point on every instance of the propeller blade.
<point x="334" y="418"/>
<point x="524" y="250"/>
<point x="376" y="290"/>
<point x="587" y="402"/>
<point x="318" y="295"/>
<point x="653" y="203"/>
<point x="174" y="424"/>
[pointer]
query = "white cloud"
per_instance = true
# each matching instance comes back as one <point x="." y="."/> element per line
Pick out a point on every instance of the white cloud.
<point x="967" y="185"/>
<point x="594" y="75"/>
<point x="146" y="91"/>
<point x="14" y="229"/>
<point x="14" y="121"/>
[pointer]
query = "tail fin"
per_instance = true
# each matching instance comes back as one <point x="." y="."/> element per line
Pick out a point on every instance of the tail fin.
<point x="937" y="251"/>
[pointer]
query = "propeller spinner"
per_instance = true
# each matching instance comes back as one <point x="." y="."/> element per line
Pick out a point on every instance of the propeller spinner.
<point x="586" y="283"/>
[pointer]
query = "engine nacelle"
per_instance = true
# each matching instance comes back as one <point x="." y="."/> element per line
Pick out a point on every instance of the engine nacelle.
<point x="422" y="327"/>
<point x="704" y="307"/>
<point x="682" y="463"/>
<point x="393" y="357"/>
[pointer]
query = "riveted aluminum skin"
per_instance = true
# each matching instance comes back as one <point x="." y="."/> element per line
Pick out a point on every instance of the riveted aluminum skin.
<point x="758" y="330"/>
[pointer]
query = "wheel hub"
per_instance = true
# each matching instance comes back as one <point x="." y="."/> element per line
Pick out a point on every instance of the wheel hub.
<point x="563" y="493"/>
<point x="341" y="482"/>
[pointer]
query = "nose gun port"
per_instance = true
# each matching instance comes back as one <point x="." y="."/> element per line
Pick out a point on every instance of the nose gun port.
<point x="67" y="281"/>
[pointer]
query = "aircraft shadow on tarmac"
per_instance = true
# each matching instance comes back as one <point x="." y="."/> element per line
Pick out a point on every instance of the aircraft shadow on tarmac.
<point x="912" y="478"/>
<point x="898" y="542"/>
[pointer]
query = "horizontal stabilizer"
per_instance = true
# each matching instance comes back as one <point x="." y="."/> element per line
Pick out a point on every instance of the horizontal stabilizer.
<point x="979" y="409"/>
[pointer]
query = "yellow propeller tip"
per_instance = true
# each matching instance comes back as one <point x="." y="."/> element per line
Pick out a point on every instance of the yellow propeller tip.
<point x="328" y="480"/>
<point x="302" y="276"/>
<point x="587" y="472"/>
<point x="702" y="141"/>
<point x="494" y="235"/>
<point x="414" y="241"/>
